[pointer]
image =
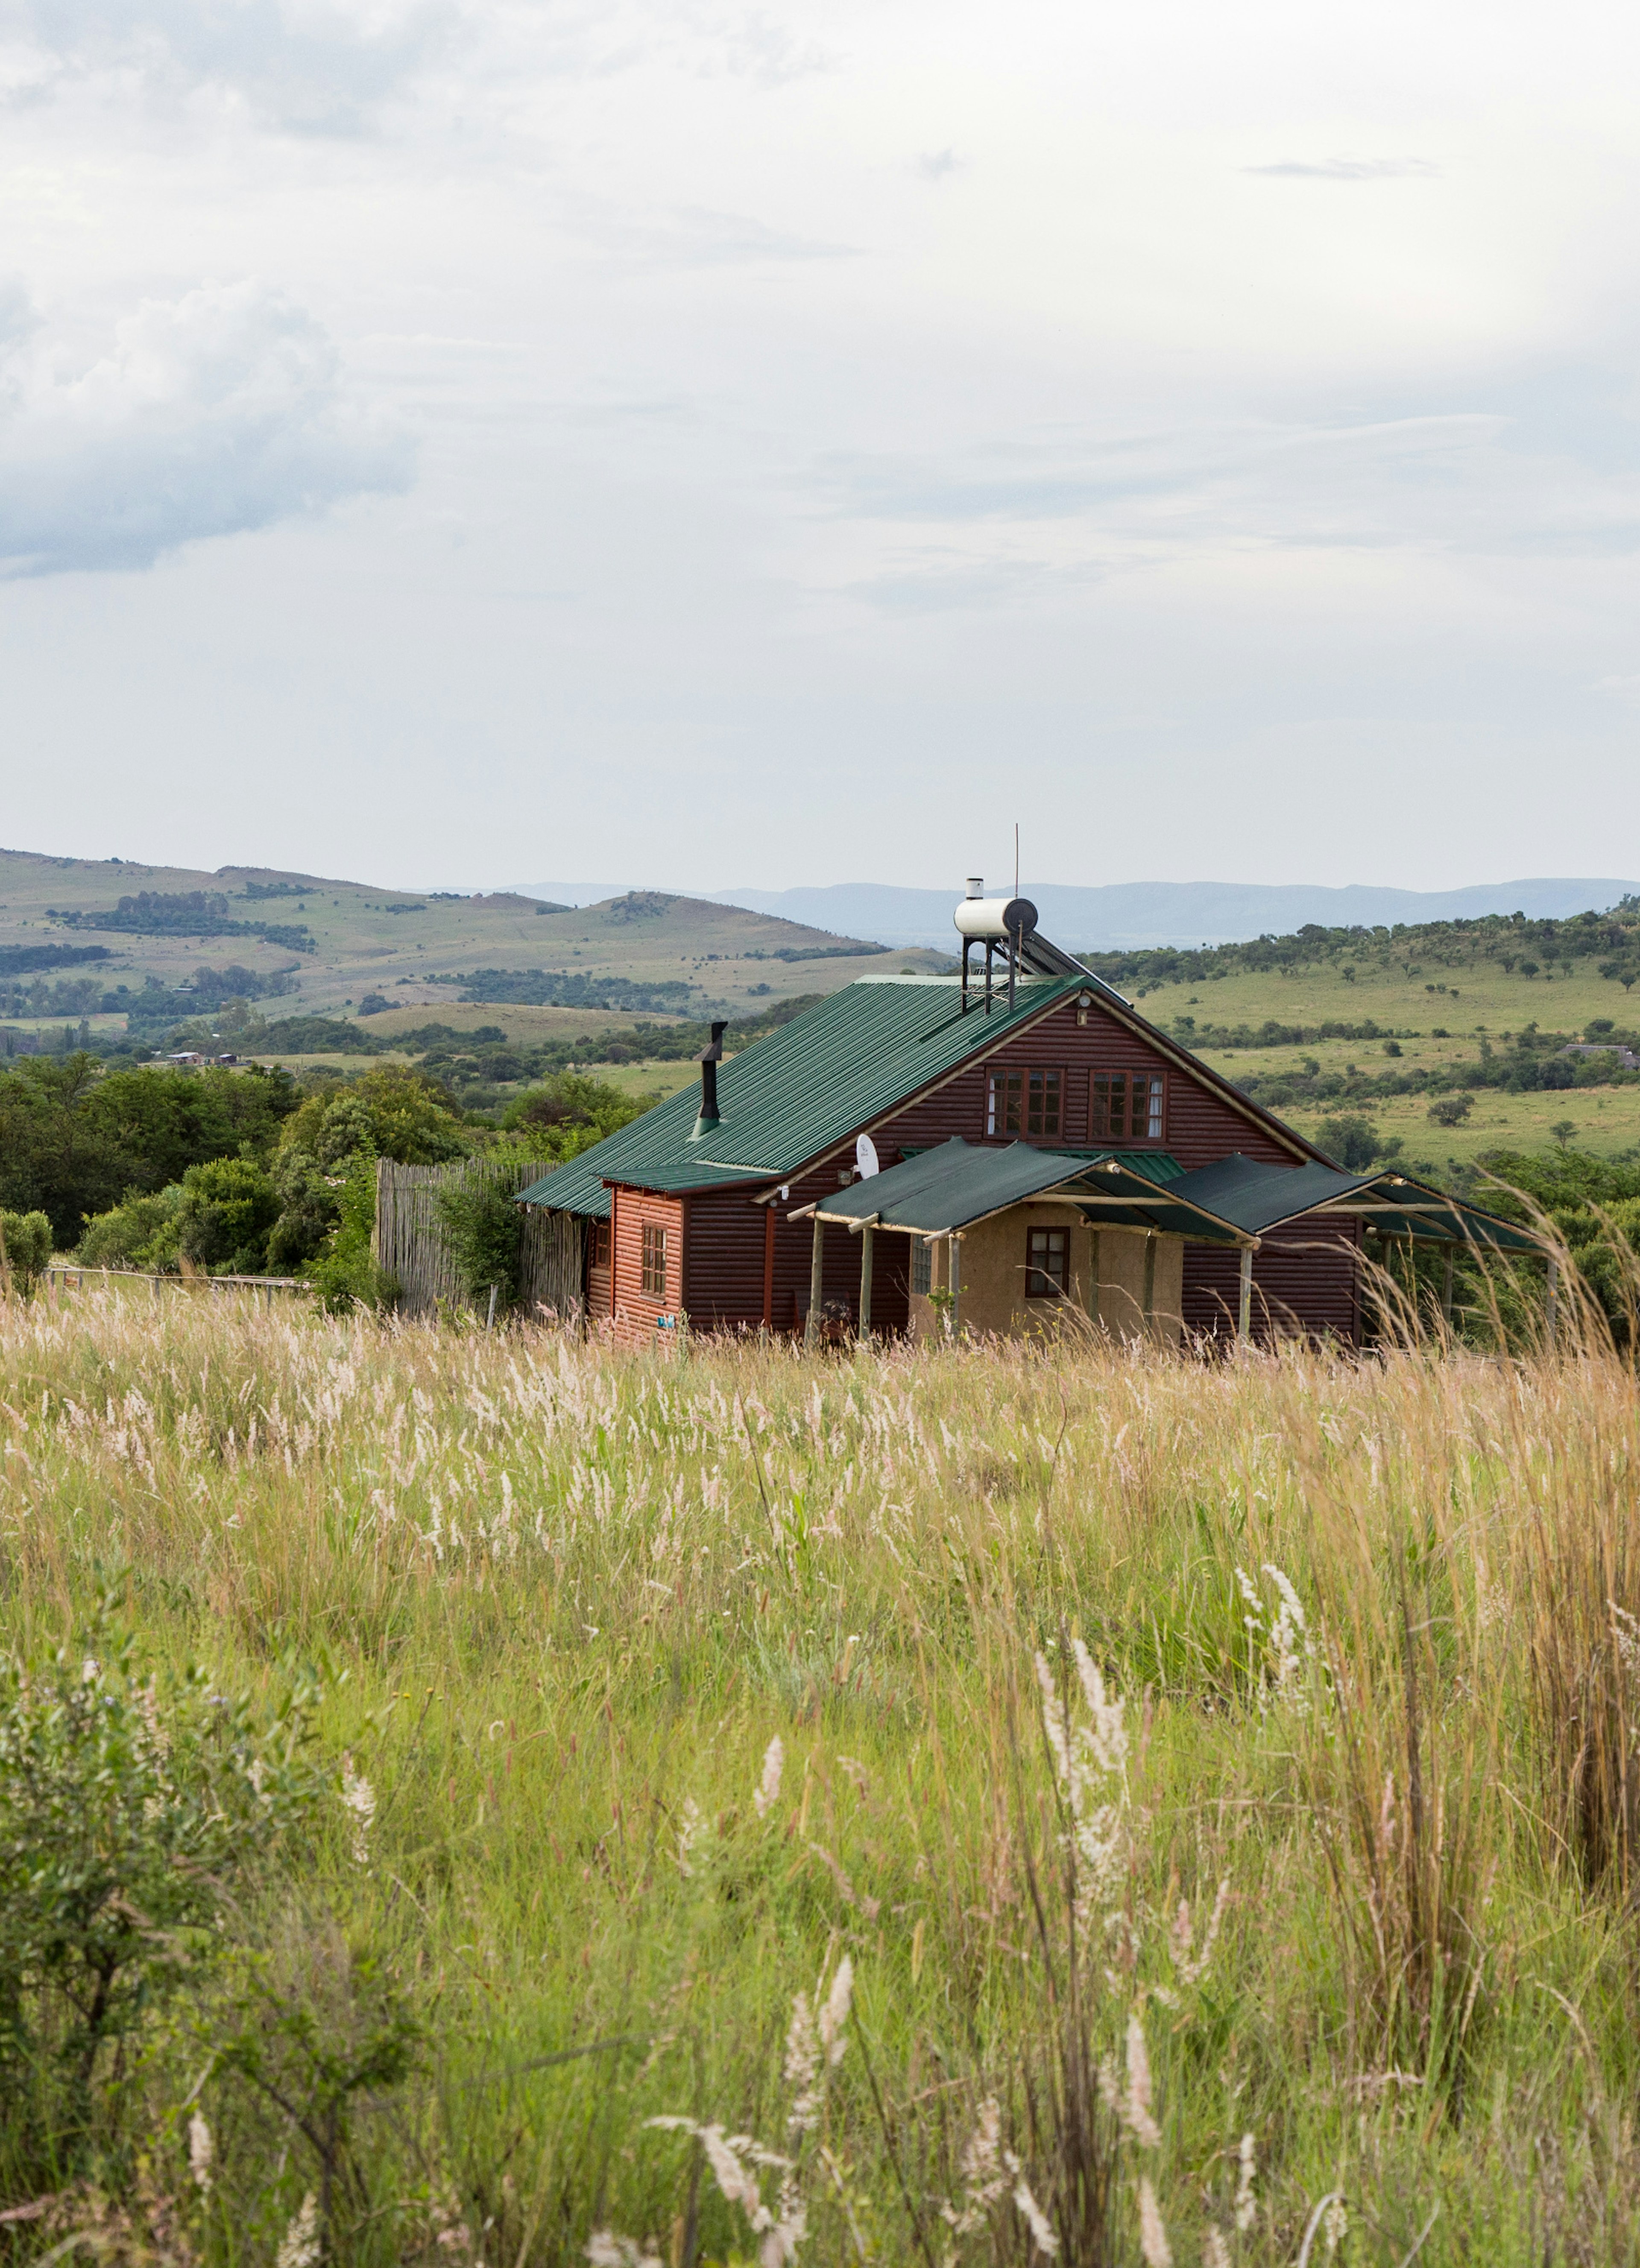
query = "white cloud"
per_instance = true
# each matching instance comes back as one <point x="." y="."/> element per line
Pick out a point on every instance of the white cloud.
<point x="312" y="66"/>
<point x="214" y="414"/>
<point x="1350" y="169"/>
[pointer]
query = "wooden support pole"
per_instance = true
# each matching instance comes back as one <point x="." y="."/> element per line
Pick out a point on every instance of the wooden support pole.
<point x="1094" y="1268"/>
<point x="867" y="1236"/>
<point x="1446" y="1282"/>
<point x="1554" y="1295"/>
<point x="817" y="1286"/>
<point x="1244" y="1313"/>
<point x="1150" y="1282"/>
<point x="954" y="1245"/>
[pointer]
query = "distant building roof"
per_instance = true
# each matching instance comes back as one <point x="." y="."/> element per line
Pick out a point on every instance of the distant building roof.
<point x="1626" y="1057"/>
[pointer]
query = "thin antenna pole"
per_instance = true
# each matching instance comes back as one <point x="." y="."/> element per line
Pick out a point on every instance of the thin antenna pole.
<point x="1016" y="858"/>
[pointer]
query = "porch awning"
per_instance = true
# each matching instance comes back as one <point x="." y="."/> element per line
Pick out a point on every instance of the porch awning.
<point x="1236" y="1200"/>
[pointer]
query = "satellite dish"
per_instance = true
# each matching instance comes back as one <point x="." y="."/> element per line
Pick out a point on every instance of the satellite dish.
<point x="865" y="1157"/>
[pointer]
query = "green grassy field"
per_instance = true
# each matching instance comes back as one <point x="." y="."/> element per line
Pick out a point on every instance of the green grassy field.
<point x="1483" y="998"/>
<point x="1435" y="1027"/>
<point x="703" y="1750"/>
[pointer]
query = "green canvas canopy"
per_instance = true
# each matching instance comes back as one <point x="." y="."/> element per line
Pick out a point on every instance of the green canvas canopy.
<point x="1236" y="1200"/>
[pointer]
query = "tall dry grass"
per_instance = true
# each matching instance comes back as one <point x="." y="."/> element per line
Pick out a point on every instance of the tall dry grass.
<point x="1217" y="1779"/>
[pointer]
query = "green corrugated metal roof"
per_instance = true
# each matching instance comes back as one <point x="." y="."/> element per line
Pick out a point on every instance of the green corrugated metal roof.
<point x="1234" y="1200"/>
<point x="803" y="1087"/>
<point x="1254" y="1197"/>
<point x="959" y="1183"/>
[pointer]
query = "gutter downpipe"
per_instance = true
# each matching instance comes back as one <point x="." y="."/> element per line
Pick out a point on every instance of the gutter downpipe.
<point x="867" y="1236"/>
<point x="954" y="1245"/>
<point x="1244" y="1313"/>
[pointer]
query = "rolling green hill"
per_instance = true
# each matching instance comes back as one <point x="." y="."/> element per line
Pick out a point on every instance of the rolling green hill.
<point x="1392" y="1024"/>
<point x="134" y="948"/>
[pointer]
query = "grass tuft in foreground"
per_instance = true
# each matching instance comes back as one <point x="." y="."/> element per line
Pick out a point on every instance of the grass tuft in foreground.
<point x="972" y="1808"/>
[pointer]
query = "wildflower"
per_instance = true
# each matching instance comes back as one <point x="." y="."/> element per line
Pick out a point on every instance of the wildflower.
<point x="300" y="2246"/>
<point x="358" y="1797"/>
<point x="689" y="1825"/>
<point x="834" y="2015"/>
<point x="200" y="2151"/>
<point x="1246" y="2203"/>
<point x="1333" y="2226"/>
<point x="767" y="1791"/>
<point x="1136" y="2115"/>
<point x="1152" y="2230"/>
<point x="606" y="2250"/>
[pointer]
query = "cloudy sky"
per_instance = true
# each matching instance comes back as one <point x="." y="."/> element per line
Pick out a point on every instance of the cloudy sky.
<point x="455" y="441"/>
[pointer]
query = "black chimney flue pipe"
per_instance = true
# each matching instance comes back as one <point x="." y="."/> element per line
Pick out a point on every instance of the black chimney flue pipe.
<point x="709" y="1058"/>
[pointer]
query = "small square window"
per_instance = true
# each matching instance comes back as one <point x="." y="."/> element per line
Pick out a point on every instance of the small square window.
<point x="922" y="1266"/>
<point x="654" y="1268"/>
<point x="1047" y="1262"/>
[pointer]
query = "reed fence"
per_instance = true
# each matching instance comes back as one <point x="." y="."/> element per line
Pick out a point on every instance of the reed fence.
<point x="410" y="1242"/>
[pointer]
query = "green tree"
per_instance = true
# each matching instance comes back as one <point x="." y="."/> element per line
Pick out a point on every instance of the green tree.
<point x="567" y="1114"/>
<point x="1350" y="1139"/>
<point x="227" y="1208"/>
<point x="25" y="1245"/>
<point x="54" y="1158"/>
<point x="1451" y="1109"/>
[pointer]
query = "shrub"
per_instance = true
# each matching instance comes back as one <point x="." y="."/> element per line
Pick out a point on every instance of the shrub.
<point x="346" y="1272"/>
<point x="26" y="1244"/>
<point x="483" y="1229"/>
<point x="224" y="1213"/>
<point x="133" y="1808"/>
<point x="139" y="1233"/>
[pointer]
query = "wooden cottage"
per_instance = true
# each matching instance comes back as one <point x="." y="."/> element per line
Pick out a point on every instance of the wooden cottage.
<point x="941" y="1155"/>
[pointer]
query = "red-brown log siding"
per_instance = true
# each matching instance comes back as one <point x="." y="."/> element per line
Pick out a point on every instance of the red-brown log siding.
<point x="1304" y="1278"/>
<point x="637" y="1313"/>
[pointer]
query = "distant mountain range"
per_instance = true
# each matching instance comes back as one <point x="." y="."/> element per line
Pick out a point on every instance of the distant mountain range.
<point x="1119" y="917"/>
